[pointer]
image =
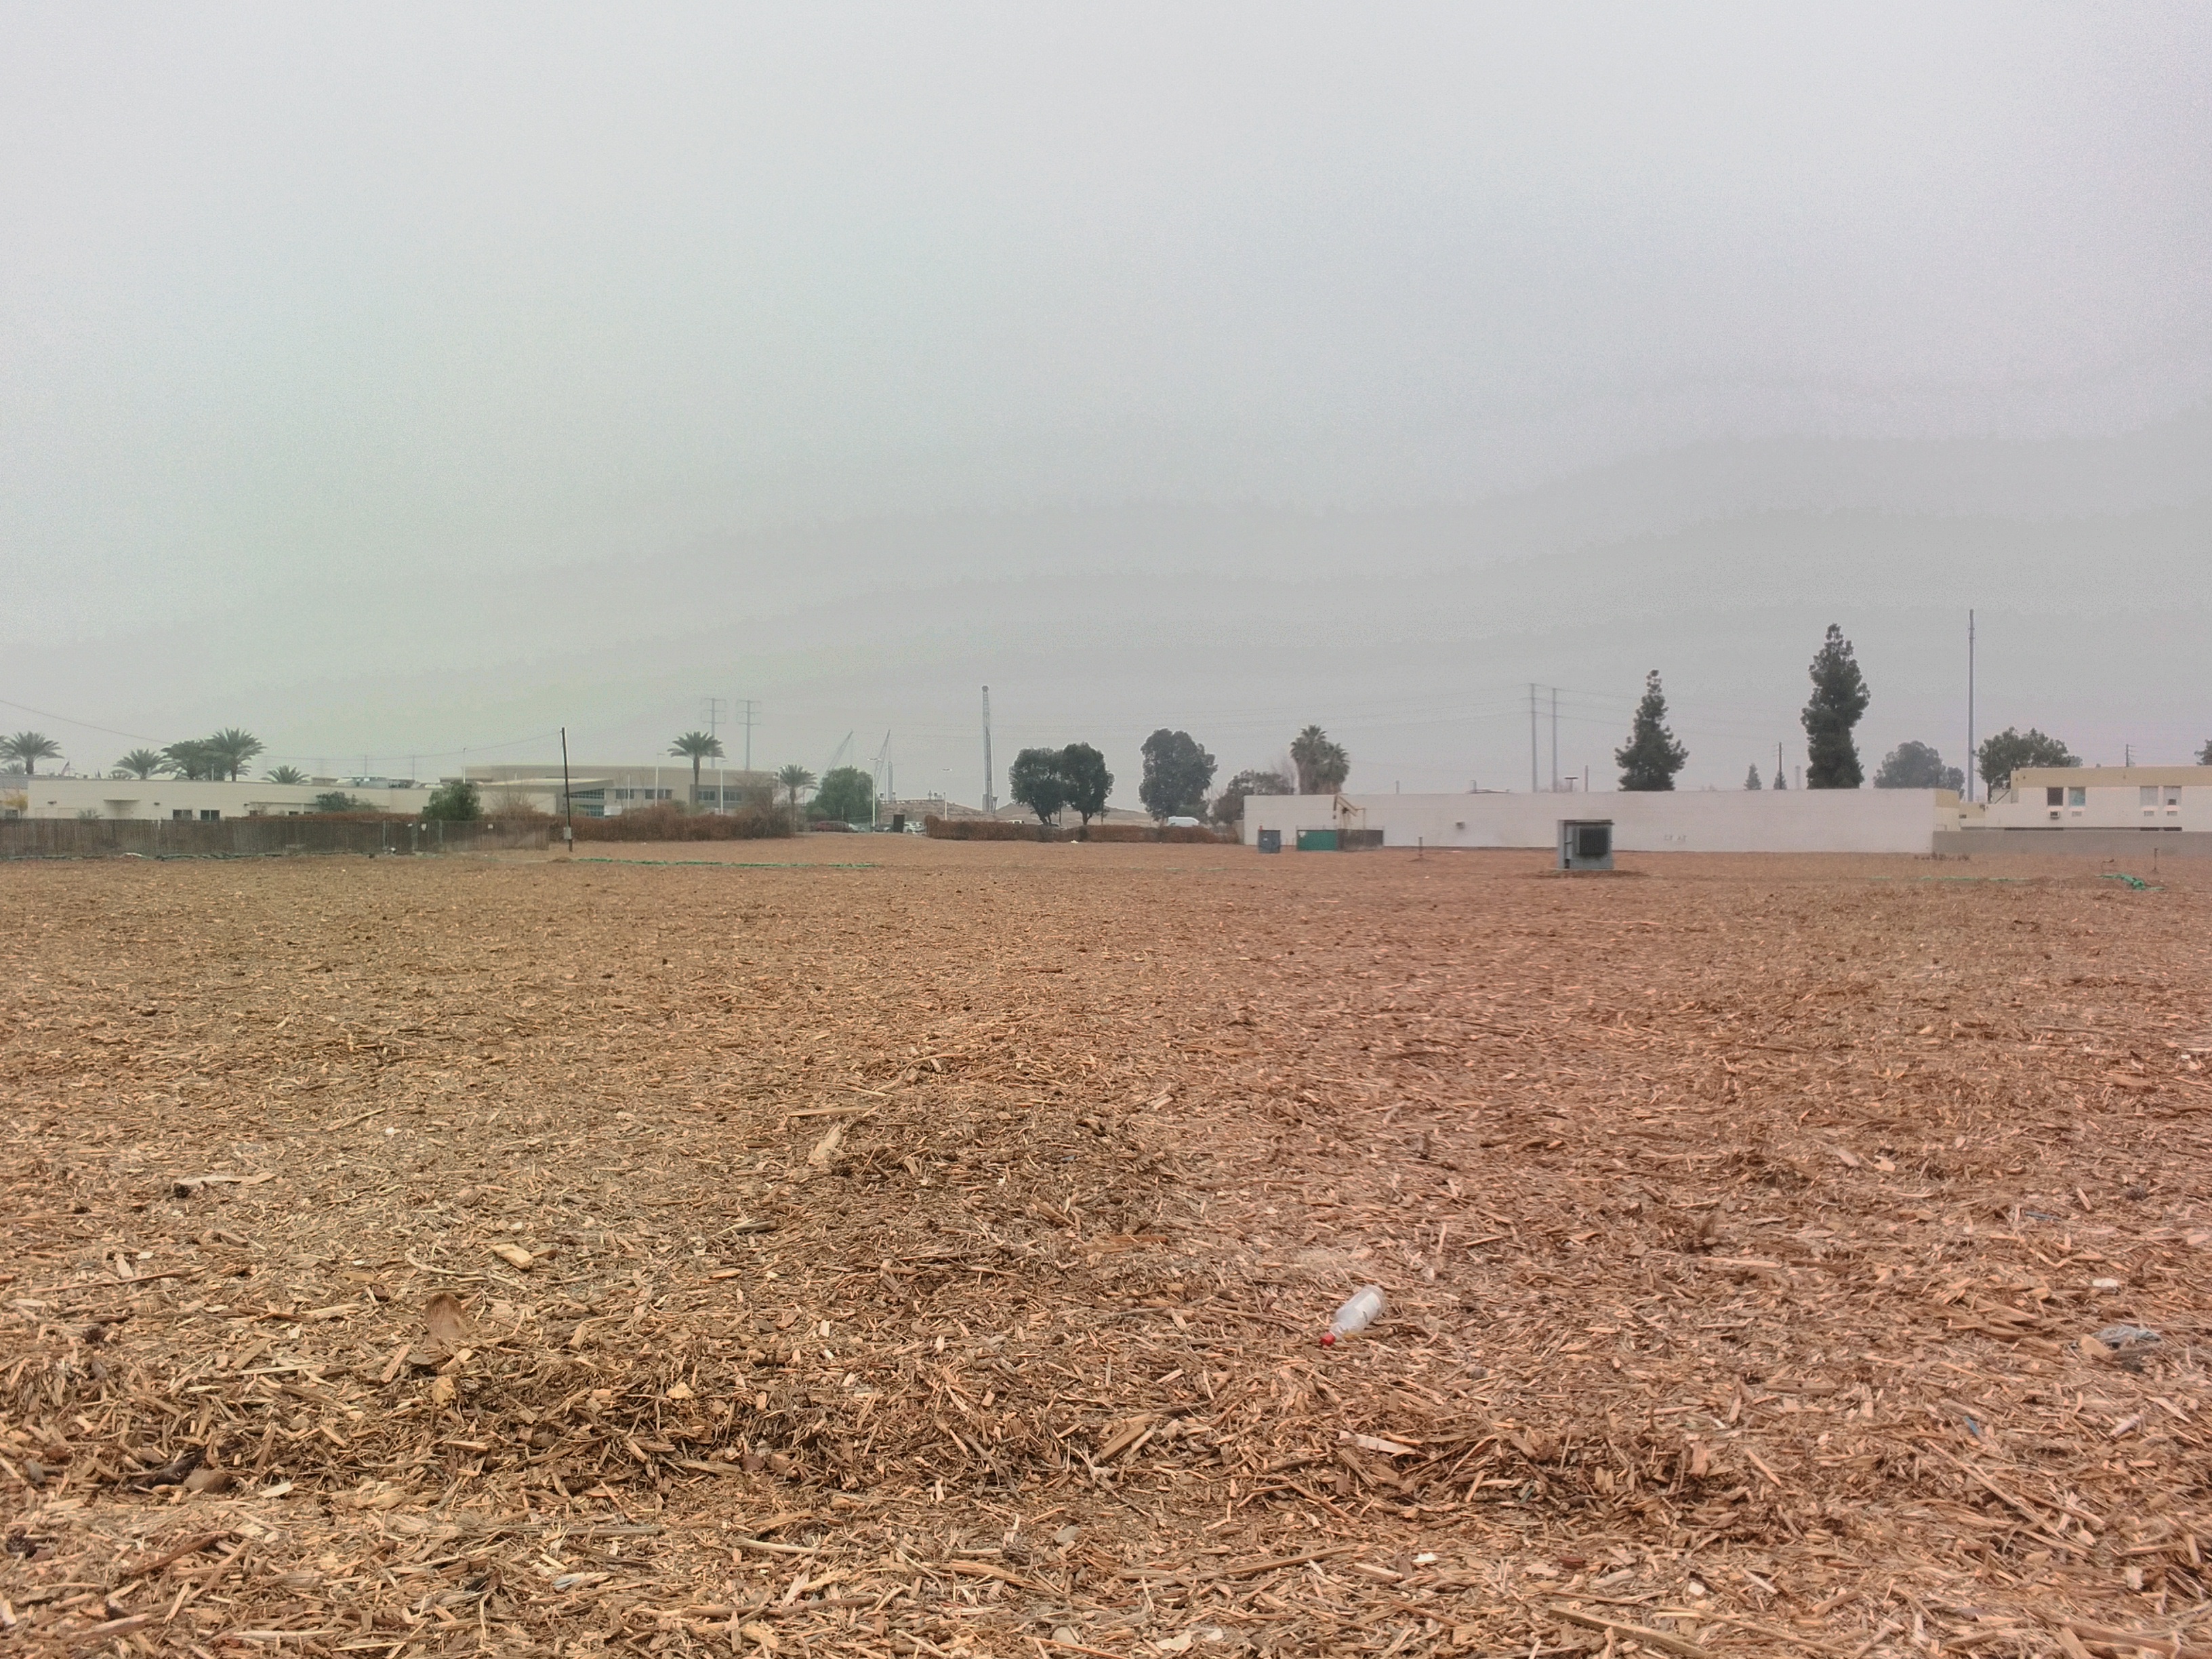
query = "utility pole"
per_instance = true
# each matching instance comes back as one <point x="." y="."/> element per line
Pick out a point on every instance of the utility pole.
<point x="568" y="797"/>
<point x="1532" y="736"/>
<point x="1555" y="739"/>
<point x="710" y="710"/>
<point x="749" y="707"/>
<point x="990" y="776"/>
<point x="1970" y="705"/>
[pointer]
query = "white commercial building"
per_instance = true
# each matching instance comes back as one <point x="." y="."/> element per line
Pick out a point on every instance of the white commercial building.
<point x="607" y="791"/>
<point x="199" y="801"/>
<point x="1657" y="821"/>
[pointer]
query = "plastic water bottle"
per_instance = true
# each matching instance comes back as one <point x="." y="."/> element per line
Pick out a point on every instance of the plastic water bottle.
<point x="1366" y="1307"/>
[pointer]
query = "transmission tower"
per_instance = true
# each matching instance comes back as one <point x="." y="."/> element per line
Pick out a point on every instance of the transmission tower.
<point x="751" y="710"/>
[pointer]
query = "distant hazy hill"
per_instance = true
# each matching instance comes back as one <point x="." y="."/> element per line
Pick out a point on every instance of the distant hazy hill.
<point x="1409" y="632"/>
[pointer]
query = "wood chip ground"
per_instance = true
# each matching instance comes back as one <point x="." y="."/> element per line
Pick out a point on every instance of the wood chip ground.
<point x="920" y="1248"/>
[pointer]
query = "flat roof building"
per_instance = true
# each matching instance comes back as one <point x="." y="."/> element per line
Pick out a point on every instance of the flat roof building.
<point x="2160" y="798"/>
<point x="199" y="801"/>
<point x="607" y="792"/>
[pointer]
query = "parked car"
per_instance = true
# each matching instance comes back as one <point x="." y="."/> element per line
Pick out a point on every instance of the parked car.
<point x="1181" y="822"/>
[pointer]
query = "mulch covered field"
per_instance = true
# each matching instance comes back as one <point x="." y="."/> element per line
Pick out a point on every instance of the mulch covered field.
<point x="923" y="1251"/>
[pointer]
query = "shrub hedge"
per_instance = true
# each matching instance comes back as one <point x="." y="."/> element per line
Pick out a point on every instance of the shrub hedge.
<point x="668" y="822"/>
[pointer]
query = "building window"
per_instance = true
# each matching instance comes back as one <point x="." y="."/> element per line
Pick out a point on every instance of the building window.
<point x="2077" y="796"/>
<point x="211" y="815"/>
<point x="2149" y="797"/>
<point x="2173" y="798"/>
<point x="2054" y="796"/>
<point x="182" y="815"/>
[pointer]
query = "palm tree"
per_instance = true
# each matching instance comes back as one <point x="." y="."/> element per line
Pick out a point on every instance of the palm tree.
<point x="698" y="745"/>
<point x="287" y="775"/>
<point x="191" y="759"/>
<point x="1322" y="764"/>
<point x="794" y="778"/>
<point x="30" y="748"/>
<point x="140" y="763"/>
<point x="231" y="749"/>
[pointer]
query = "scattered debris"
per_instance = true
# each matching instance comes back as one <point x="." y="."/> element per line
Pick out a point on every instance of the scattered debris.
<point x="1360" y="1309"/>
<point x="446" y="1322"/>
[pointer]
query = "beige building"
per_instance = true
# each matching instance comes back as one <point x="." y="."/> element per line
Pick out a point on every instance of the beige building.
<point x="2159" y="797"/>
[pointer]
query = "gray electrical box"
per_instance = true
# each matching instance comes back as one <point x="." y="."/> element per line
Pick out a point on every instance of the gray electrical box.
<point x="1585" y="843"/>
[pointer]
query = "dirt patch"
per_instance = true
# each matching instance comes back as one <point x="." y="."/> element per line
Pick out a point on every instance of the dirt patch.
<point x="926" y="1253"/>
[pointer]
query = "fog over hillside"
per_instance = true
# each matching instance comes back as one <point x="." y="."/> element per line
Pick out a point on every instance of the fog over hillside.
<point x="1411" y="634"/>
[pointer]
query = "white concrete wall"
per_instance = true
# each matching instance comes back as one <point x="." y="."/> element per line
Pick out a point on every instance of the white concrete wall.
<point x="1698" y="821"/>
<point x="163" y="798"/>
<point x="1288" y="813"/>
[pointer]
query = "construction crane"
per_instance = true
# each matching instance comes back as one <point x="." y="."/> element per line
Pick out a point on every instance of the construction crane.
<point x="838" y="759"/>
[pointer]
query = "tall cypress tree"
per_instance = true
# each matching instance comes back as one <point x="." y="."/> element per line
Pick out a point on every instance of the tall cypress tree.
<point x="1839" y="697"/>
<point x="1651" y="757"/>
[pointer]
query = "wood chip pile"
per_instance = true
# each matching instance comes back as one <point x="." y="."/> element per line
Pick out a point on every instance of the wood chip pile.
<point x="923" y="1251"/>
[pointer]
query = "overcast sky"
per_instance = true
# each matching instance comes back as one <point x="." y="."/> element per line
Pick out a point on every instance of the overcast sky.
<point x="396" y="378"/>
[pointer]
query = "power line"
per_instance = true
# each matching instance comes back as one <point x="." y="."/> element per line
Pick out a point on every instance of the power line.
<point x="49" y="714"/>
<point x="281" y="755"/>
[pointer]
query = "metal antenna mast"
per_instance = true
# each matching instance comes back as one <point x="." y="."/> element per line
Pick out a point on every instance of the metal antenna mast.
<point x="1555" y="739"/>
<point x="990" y="776"/>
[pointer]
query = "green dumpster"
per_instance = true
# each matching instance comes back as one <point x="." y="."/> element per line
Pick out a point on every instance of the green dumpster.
<point x="1316" y="841"/>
